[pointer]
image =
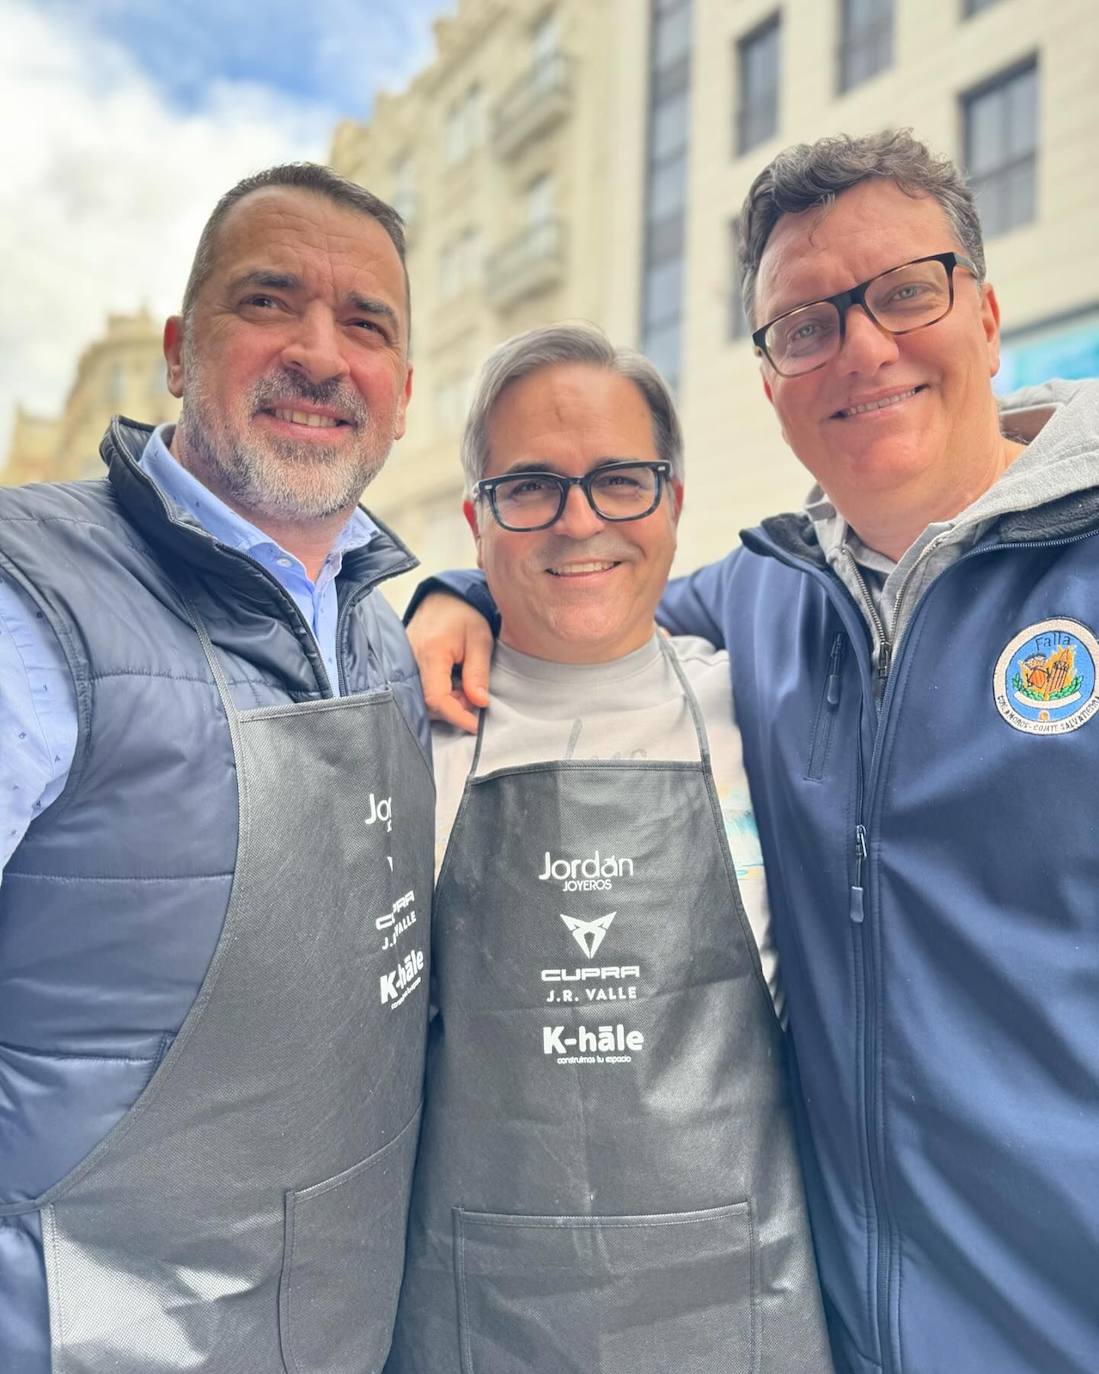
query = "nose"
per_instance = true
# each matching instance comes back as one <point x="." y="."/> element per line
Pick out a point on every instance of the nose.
<point x="866" y="346"/>
<point x="315" y="347"/>
<point x="578" y="520"/>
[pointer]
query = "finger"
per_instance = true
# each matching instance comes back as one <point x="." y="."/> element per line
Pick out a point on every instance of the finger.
<point x="456" y="710"/>
<point x="435" y="670"/>
<point x="475" y="668"/>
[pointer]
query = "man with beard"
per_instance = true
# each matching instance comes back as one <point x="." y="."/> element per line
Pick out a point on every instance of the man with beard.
<point x="215" y="806"/>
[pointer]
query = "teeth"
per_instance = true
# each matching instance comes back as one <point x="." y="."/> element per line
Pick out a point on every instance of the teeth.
<point x="306" y="417"/>
<point x="880" y="405"/>
<point x="572" y="569"/>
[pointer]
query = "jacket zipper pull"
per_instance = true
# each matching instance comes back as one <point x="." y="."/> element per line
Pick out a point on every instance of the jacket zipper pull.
<point x="885" y="657"/>
<point x="832" y="691"/>
<point x="857" y="909"/>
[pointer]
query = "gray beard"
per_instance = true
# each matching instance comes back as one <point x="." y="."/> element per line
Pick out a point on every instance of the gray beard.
<point x="277" y="478"/>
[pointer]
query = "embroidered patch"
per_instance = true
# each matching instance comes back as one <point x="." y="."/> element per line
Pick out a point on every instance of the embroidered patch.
<point x="1045" y="682"/>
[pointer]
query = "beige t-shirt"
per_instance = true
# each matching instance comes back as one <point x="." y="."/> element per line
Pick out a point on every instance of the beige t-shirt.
<point x="631" y="708"/>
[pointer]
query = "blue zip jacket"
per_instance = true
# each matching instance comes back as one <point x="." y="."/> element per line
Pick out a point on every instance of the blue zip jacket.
<point x="933" y="866"/>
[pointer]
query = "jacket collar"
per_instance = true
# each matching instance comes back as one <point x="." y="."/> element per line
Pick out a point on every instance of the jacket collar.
<point x="792" y="538"/>
<point x="384" y="557"/>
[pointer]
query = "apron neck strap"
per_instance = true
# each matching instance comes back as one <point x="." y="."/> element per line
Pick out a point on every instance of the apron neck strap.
<point x="480" y="740"/>
<point x="672" y="658"/>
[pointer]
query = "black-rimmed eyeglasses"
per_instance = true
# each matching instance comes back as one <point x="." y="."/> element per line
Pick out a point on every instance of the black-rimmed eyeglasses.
<point x="905" y="298"/>
<point x="534" y="500"/>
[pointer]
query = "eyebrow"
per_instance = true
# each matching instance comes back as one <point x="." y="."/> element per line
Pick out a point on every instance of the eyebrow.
<point x="276" y="281"/>
<point x="545" y="465"/>
<point x="287" y="281"/>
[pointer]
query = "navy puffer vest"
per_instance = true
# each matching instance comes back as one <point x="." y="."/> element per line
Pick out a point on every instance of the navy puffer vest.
<point x="111" y="907"/>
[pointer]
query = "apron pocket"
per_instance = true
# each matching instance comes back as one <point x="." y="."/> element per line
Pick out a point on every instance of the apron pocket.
<point x="607" y="1295"/>
<point x="344" y="1254"/>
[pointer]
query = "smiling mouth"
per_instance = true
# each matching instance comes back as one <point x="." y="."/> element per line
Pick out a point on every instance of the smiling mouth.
<point x="581" y="569"/>
<point x="883" y="403"/>
<point x="307" y="417"/>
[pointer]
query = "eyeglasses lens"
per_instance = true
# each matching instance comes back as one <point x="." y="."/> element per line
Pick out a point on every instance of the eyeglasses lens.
<point x="906" y="298"/>
<point x="528" y="500"/>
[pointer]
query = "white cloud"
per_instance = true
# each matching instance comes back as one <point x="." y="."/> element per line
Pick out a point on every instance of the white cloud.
<point x="105" y="190"/>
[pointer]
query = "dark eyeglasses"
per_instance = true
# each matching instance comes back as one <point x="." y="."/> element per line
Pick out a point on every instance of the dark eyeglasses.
<point x="905" y="298"/>
<point x="535" y="500"/>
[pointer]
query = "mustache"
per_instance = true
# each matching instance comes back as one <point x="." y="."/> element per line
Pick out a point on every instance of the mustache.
<point x="291" y="386"/>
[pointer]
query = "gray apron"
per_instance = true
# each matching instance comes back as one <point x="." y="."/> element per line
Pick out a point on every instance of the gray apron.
<point x="607" y="1181"/>
<point x="247" y="1215"/>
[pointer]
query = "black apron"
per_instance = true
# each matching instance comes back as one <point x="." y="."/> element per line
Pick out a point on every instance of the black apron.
<point x="606" y="1181"/>
<point x="247" y="1214"/>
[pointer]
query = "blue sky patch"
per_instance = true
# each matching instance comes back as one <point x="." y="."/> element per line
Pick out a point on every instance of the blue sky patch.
<point x="335" y="54"/>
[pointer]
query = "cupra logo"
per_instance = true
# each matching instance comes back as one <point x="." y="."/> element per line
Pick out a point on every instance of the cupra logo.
<point x="589" y="935"/>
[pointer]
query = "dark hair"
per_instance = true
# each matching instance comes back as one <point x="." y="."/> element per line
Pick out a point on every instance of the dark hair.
<point x="305" y="176"/>
<point x="812" y="174"/>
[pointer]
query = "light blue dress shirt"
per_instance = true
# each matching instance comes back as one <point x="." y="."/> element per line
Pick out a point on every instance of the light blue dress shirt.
<point x="37" y="699"/>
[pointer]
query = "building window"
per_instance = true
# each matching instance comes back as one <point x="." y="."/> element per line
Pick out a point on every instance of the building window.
<point x="452" y="402"/>
<point x="544" y="44"/>
<point x="757" y="86"/>
<point x="866" y="40"/>
<point x="116" y="385"/>
<point x="739" y="328"/>
<point x="404" y="188"/>
<point x="461" y="264"/>
<point x="671" y="35"/>
<point x="1001" y="148"/>
<point x="464" y="126"/>
<point x="540" y="200"/>
<point x="666" y="185"/>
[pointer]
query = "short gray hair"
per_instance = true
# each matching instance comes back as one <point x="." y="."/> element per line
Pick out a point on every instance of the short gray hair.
<point x="305" y="176"/>
<point x="548" y="346"/>
<point x="811" y="174"/>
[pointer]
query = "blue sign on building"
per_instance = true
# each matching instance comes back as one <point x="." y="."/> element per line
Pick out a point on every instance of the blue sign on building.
<point x="1068" y="350"/>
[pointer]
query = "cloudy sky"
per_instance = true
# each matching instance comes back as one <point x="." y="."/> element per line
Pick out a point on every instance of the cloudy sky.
<point x="124" y="120"/>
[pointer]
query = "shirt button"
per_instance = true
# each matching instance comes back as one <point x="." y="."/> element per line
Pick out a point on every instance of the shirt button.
<point x="284" y="562"/>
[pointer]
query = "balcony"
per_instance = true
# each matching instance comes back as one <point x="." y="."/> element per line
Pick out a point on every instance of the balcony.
<point x="541" y="98"/>
<point x="532" y="262"/>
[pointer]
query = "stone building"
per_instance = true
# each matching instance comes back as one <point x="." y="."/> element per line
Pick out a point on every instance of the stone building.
<point x="120" y="373"/>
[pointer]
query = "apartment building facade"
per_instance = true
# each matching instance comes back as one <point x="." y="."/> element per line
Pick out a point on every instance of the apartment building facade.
<point x="499" y="159"/>
<point x="1007" y="88"/>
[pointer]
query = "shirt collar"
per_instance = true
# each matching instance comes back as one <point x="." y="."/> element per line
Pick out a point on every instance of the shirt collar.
<point x="187" y="493"/>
